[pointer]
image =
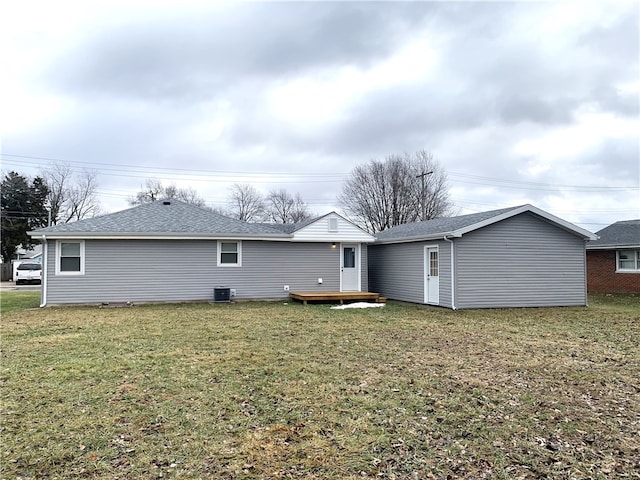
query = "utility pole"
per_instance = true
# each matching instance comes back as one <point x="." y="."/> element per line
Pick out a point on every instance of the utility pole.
<point x="424" y="194"/>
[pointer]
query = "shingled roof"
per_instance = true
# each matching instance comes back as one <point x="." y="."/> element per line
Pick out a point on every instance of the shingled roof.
<point x="162" y="217"/>
<point x="290" y="227"/>
<point x="458" y="226"/>
<point x="620" y="234"/>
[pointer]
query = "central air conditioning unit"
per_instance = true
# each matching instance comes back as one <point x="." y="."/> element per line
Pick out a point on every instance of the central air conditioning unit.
<point x="221" y="294"/>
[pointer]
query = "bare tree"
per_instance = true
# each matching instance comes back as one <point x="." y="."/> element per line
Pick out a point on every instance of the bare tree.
<point x="300" y="210"/>
<point x="154" y="190"/>
<point x="279" y="205"/>
<point x="246" y="203"/>
<point x="71" y="196"/>
<point x="58" y="178"/>
<point x="81" y="197"/>
<point x="399" y="189"/>
<point x="187" y="195"/>
<point x="282" y="207"/>
<point x="221" y="211"/>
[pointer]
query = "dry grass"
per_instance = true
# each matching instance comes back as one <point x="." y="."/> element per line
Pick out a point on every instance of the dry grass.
<point x="286" y="391"/>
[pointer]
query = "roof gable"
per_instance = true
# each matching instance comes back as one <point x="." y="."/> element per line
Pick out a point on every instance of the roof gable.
<point x="331" y="227"/>
<point x="458" y="226"/>
<point x="619" y="234"/>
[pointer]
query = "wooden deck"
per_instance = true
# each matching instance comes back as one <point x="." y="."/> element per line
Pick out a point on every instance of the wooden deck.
<point x="305" y="297"/>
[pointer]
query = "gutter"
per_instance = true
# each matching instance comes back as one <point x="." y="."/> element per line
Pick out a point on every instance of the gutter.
<point x="160" y="236"/>
<point x="418" y="238"/>
<point x="45" y="250"/>
<point x="453" y="274"/>
<point x="611" y="247"/>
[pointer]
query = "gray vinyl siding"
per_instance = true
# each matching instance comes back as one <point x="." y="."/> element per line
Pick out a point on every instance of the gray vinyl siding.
<point x="396" y="271"/>
<point x="364" y="268"/>
<point x="520" y="262"/>
<point x="445" y="272"/>
<point x="186" y="270"/>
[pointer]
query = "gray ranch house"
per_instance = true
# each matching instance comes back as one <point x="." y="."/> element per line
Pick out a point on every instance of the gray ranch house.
<point x="513" y="257"/>
<point x="168" y="251"/>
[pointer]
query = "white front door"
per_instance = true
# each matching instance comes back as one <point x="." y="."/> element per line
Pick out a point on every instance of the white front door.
<point x="431" y="275"/>
<point x="350" y="268"/>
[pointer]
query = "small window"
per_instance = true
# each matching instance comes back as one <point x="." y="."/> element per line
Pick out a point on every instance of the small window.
<point x="349" y="257"/>
<point x="333" y="224"/>
<point x="229" y="254"/>
<point x="433" y="263"/>
<point x="628" y="260"/>
<point x="70" y="258"/>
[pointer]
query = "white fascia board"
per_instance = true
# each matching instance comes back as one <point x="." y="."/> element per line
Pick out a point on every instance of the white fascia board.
<point x="587" y="235"/>
<point x="166" y="236"/>
<point x="365" y="238"/>
<point x="613" y="247"/>
<point x="368" y="239"/>
<point x="419" y="238"/>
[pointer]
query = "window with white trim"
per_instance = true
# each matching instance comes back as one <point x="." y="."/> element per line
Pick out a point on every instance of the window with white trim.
<point x="70" y="257"/>
<point x="229" y="253"/>
<point x="628" y="260"/>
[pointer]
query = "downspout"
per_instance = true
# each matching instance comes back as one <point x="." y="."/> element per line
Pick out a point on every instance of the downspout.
<point x="586" y="277"/>
<point x="45" y="269"/>
<point x="453" y="274"/>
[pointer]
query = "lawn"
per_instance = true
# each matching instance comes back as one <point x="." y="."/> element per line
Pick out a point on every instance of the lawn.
<point x="270" y="390"/>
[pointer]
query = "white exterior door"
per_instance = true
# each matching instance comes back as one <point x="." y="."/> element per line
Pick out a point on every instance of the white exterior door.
<point x="431" y="275"/>
<point x="350" y="268"/>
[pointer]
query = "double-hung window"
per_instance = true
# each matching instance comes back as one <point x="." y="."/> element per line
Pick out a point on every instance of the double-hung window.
<point x="70" y="257"/>
<point x="229" y="253"/>
<point x="628" y="261"/>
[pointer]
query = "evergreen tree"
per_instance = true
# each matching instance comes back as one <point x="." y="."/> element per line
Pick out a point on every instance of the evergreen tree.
<point x="23" y="208"/>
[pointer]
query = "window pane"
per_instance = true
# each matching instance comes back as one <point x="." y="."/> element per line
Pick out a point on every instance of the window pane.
<point x="228" y="258"/>
<point x="627" y="259"/>
<point x="349" y="260"/>
<point x="433" y="264"/>
<point x="70" y="264"/>
<point x="70" y="249"/>
<point x="229" y="247"/>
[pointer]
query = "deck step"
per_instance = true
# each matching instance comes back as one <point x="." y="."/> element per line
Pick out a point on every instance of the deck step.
<point x="340" y="297"/>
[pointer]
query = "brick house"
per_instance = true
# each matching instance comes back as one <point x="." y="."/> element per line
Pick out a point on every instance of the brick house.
<point x="613" y="261"/>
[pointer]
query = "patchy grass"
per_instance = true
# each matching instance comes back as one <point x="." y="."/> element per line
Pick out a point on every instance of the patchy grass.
<point x="11" y="301"/>
<point x="259" y="390"/>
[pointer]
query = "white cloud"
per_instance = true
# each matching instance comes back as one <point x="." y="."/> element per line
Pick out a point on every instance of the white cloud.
<point x="515" y="99"/>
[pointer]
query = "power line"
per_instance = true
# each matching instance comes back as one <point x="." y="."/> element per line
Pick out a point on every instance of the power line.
<point x="146" y="171"/>
<point x="142" y="169"/>
<point x="217" y="177"/>
<point x="521" y="182"/>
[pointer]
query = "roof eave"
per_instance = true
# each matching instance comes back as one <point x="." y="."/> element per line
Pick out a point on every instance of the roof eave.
<point x="617" y="246"/>
<point x="158" y="236"/>
<point x="418" y="238"/>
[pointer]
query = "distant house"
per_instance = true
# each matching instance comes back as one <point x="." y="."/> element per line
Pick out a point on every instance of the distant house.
<point x="513" y="257"/>
<point x="613" y="260"/>
<point x="169" y="251"/>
